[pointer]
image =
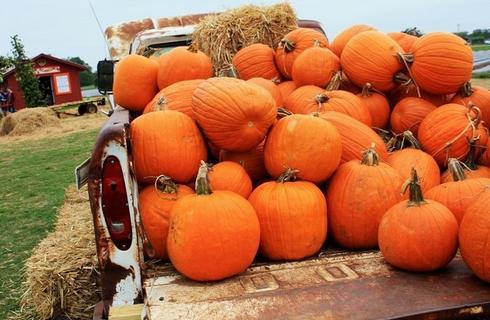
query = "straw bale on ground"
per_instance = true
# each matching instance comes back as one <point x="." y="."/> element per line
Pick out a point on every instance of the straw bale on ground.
<point x="28" y="120"/>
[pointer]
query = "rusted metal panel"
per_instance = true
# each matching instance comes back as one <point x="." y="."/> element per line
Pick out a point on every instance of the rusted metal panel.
<point x="336" y="286"/>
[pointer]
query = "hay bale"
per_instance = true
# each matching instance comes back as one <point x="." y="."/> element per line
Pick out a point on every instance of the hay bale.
<point x="29" y="120"/>
<point x="61" y="274"/>
<point x="221" y="36"/>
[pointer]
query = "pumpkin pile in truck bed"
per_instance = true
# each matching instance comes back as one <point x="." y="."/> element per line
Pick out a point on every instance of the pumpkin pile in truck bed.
<point x="378" y="140"/>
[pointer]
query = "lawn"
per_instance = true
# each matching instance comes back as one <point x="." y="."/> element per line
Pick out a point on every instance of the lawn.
<point x="480" y="47"/>
<point x="33" y="175"/>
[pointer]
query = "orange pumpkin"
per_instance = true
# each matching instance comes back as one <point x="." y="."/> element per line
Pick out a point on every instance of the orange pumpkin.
<point x="305" y="143"/>
<point x="410" y="90"/>
<point x="485" y="156"/>
<point x="377" y="65"/>
<point x="234" y="114"/>
<point x="405" y="40"/>
<point x="155" y="203"/>
<point x="478" y="96"/>
<point x="301" y="97"/>
<point x="252" y="161"/>
<point x="442" y="62"/>
<point x="358" y="195"/>
<point x="338" y="44"/>
<point x="166" y="142"/>
<point x="471" y="169"/>
<point x="183" y="63"/>
<point x="377" y="105"/>
<point x="293" y="44"/>
<point x="408" y="113"/>
<point x="418" y="235"/>
<point x="135" y="82"/>
<point x="315" y="66"/>
<point x="271" y="87"/>
<point x="292" y="216"/>
<point x="286" y="88"/>
<point x="231" y="176"/>
<point x="212" y="235"/>
<point x="256" y="60"/>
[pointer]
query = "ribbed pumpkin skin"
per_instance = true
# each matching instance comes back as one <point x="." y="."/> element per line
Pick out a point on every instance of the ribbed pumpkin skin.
<point x="166" y="142"/>
<point x="302" y="38"/>
<point x="457" y="196"/>
<point x="315" y="66"/>
<point x="378" y="107"/>
<point x="286" y="88"/>
<point x="256" y="60"/>
<point x="234" y="115"/>
<point x="182" y="64"/>
<point x="371" y="57"/>
<point x="231" y="176"/>
<point x="271" y="87"/>
<point x="480" y="172"/>
<point x="177" y="96"/>
<point x="252" y="161"/>
<point x="474" y="233"/>
<point x="303" y="99"/>
<point x="405" y="40"/>
<point x="409" y="113"/>
<point x="305" y="143"/>
<point x="135" y="82"/>
<point x="355" y="135"/>
<point x="154" y="208"/>
<point x="212" y="237"/>
<point x="406" y="159"/>
<point x="418" y="238"/>
<point x="443" y="125"/>
<point x="442" y="62"/>
<point x="479" y="97"/>
<point x="357" y="197"/>
<point x="293" y="219"/>
<point x="338" y="44"/>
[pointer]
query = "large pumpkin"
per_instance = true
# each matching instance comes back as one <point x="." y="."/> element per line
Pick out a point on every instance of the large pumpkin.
<point x="408" y="113"/>
<point x="305" y="143"/>
<point x="271" y="87"/>
<point x="417" y="234"/>
<point x="166" y="142"/>
<point x="256" y="60"/>
<point x="251" y="160"/>
<point x="231" y="176"/>
<point x="377" y="105"/>
<point x="372" y="57"/>
<point x="212" y="235"/>
<point x="315" y="66"/>
<point x="135" y="82"/>
<point x="293" y="44"/>
<point x="183" y="63"/>
<point x="292" y="216"/>
<point x="155" y="203"/>
<point x="442" y="62"/>
<point x="405" y="40"/>
<point x="338" y="44"/>
<point x="478" y="96"/>
<point x="234" y="114"/>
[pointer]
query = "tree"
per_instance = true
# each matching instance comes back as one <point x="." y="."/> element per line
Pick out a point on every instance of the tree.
<point x="24" y="73"/>
<point x="5" y="64"/>
<point x="87" y="77"/>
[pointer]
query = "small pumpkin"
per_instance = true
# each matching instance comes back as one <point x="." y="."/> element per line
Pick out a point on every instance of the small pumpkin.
<point x="405" y="40"/>
<point x="252" y="161"/>
<point x="377" y="105"/>
<point x="475" y="95"/>
<point x="338" y="44"/>
<point x="271" y="87"/>
<point x="231" y="176"/>
<point x="417" y="234"/>
<point x="256" y="60"/>
<point x="292" y="216"/>
<point x="315" y="66"/>
<point x="212" y="235"/>
<point x="408" y="113"/>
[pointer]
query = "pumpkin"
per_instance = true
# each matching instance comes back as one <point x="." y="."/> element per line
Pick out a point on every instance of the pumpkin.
<point x="256" y="60"/>
<point x="301" y="97"/>
<point x="358" y="195"/>
<point x="177" y="96"/>
<point x="408" y="113"/>
<point x="458" y="194"/>
<point x="286" y="88"/>
<point x="155" y="203"/>
<point x="442" y="62"/>
<point x="377" y="105"/>
<point x="271" y="87"/>
<point x="372" y="57"/>
<point x="135" y="82"/>
<point x="315" y="66"/>
<point x="405" y="40"/>
<point x="474" y="95"/>
<point x="471" y="169"/>
<point x="305" y="143"/>
<point x="252" y="161"/>
<point x="212" y="235"/>
<point x="485" y="156"/>
<point x="182" y="63"/>
<point x="293" y="44"/>
<point x="474" y="233"/>
<point x="234" y="114"/>
<point x="445" y="131"/>
<point x="411" y="90"/>
<point x="338" y="44"/>
<point x="355" y="136"/>
<point x="417" y="234"/>
<point x="231" y="176"/>
<point x="166" y="142"/>
<point x="292" y="216"/>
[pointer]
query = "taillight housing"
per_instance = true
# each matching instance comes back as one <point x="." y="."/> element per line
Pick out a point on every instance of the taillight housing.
<point x="115" y="203"/>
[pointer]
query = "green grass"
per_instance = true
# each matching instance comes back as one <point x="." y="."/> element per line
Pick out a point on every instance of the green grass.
<point x="482" y="75"/>
<point x="33" y="177"/>
<point x="480" y="47"/>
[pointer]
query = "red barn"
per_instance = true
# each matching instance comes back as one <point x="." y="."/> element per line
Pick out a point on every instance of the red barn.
<point x="59" y="80"/>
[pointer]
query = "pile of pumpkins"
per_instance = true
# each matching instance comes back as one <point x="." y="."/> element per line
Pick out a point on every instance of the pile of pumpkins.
<point x="377" y="138"/>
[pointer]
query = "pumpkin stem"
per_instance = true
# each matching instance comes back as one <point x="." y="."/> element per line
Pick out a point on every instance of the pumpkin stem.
<point x="202" y="183"/>
<point x="466" y="90"/>
<point x="471" y="160"/>
<point x="368" y="90"/>
<point x="456" y="169"/>
<point x="335" y="82"/>
<point x="369" y="156"/>
<point x="165" y="184"/>
<point x="282" y="113"/>
<point x="321" y="98"/>
<point x="287" y="45"/>
<point x="416" y="198"/>
<point x="317" y="43"/>
<point x="161" y="104"/>
<point x="406" y="59"/>
<point x="408" y="136"/>
<point x="289" y="175"/>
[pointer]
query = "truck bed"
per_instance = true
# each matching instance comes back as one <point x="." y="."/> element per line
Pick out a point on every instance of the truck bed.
<point x="334" y="285"/>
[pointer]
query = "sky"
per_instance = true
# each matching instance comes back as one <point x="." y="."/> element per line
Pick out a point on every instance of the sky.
<point x="67" y="28"/>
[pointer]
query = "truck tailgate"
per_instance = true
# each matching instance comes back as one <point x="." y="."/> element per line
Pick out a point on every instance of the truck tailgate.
<point x="339" y="285"/>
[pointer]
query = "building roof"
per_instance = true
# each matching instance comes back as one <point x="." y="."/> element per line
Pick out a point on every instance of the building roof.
<point x="49" y="57"/>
